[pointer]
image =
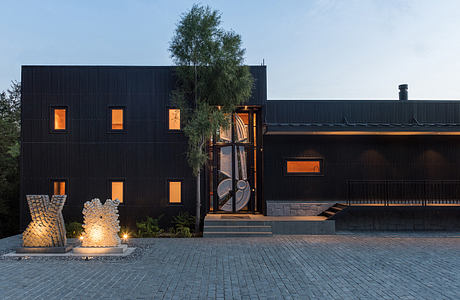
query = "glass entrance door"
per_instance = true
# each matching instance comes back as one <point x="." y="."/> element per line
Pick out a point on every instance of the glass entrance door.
<point x="234" y="165"/>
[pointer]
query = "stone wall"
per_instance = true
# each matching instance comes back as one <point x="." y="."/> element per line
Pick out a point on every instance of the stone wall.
<point x="296" y="208"/>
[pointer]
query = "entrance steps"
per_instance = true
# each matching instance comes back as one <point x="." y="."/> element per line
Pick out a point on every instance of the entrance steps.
<point x="333" y="210"/>
<point x="236" y="228"/>
<point x="225" y="225"/>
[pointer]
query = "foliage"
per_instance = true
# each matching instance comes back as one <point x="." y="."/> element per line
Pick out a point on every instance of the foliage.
<point x="74" y="229"/>
<point x="183" y="223"/>
<point x="183" y="232"/>
<point x="10" y="102"/>
<point x="212" y="81"/>
<point x="148" y="228"/>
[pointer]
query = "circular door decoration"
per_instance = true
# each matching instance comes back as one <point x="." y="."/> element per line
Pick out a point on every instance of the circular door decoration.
<point x="225" y="186"/>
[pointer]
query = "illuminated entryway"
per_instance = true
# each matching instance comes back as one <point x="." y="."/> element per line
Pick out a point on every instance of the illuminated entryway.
<point x="233" y="174"/>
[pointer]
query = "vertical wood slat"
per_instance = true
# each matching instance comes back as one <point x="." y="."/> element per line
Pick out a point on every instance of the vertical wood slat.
<point x="146" y="155"/>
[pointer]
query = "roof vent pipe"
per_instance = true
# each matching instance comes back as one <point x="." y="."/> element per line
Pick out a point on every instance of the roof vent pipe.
<point x="403" y="92"/>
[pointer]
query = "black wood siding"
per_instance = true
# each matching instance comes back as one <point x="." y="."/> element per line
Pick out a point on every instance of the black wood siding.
<point x="356" y="158"/>
<point x="88" y="156"/>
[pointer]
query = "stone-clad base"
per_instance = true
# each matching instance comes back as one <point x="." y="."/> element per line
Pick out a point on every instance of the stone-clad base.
<point x="296" y="208"/>
<point x="64" y="249"/>
<point x="101" y="250"/>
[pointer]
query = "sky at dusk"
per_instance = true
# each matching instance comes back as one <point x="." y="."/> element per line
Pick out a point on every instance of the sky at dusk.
<point x="318" y="49"/>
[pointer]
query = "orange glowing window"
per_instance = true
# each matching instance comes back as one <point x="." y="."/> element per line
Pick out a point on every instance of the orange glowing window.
<point x="174" y="119"/>
<point x="59" y="119"/>
<point x="117" y="119"/>
<point x="59" y="187"/>
<point x="117" y="190"/>
<point x="303" y="166"/>
<point x="244" y="117"/>
<point x="175" y="192"/>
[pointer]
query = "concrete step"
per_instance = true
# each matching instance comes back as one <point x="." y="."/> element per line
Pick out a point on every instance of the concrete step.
<point x="328" y="213"/>
<point x="224" y="222"/>
<point x="208" y="228"/>
<point x="236" y="234"/>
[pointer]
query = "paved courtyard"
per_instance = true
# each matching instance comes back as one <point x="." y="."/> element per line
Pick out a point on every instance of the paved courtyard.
<point x="350" y="266"/>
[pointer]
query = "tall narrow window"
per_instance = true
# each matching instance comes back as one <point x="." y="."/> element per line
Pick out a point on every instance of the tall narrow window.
<point x="304" y="167"/>
<point x="59" y="116"/>
<point x="117" y="118"/>
<point x="59" y="187"/>
<point x="174" y="119"/>
<point x="175" y="195"/>
<point x="117" y="190"/>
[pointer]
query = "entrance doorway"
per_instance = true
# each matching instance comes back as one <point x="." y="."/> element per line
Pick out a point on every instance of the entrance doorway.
<point x="234" y="180"/>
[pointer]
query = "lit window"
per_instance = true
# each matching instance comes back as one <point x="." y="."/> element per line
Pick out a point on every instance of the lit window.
<point x="59" y="187"/>
<point x="59" y="119"/>
<point x="175" y="192"/>
<point x="303" y="166"/>
<point x="174" y="119"/>
<point x="117" y="190"/>
<point x="117" y="119"/>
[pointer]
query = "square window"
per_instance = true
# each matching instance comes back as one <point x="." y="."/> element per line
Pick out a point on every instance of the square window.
<point x="59" y="187"/>
<point x="174" y="119"/>
<point x="175" y="194"/>
<point x="117" y="190"/>
<point x="117" y="118"/>
<point x="298" y="166"/>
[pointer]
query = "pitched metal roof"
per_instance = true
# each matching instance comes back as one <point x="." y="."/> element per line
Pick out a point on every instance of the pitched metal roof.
<point x="316" y="116"/>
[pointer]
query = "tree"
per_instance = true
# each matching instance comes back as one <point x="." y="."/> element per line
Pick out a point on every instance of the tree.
<point x="212" y="82"/>
<point x="9" y="158"/>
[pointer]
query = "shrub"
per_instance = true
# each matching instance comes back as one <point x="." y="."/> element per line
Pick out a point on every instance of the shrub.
<point x="183" y="223"/>
<point x="74" y="229"/>
<point x="148" y="228"/>
<point x="183" y="232"/>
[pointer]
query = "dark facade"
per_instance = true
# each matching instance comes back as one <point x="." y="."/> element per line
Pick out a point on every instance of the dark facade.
<point x="399" y="141"/>
<point x="88" y="155"/>
<point x="344" y="140"/>
<point x="352" y="158"/>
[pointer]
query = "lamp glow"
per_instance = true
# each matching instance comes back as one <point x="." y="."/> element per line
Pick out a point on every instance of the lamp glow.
<point x="101" y="225"/>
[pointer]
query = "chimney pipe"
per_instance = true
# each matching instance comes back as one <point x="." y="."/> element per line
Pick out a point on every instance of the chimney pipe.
<point x="403" y="95"/>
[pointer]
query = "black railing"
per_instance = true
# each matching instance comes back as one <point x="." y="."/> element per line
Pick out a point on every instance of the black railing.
<point x="410" y="192"/>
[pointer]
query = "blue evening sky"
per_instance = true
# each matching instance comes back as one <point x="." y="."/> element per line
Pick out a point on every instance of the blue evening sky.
<point x="313" y="49"/>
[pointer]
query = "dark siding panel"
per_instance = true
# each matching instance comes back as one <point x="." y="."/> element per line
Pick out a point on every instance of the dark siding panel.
<point x="356" y="158"/>
<point x="146" y="155"/>
<point x="259" y="92"/>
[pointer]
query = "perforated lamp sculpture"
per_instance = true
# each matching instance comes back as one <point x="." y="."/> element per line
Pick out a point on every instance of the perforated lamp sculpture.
<point x="101" y="224"/>
<point x="47" y="227"/>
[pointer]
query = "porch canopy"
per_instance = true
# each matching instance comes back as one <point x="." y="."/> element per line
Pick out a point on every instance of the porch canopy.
<point x="362" y="117"/>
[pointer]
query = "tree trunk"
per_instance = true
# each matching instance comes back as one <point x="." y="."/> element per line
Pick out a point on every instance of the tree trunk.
<point x="198" y="176"/>
<point x="198" y="202"/>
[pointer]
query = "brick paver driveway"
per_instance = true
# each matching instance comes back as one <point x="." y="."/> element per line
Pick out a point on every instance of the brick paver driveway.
<point x="354" y="266"/>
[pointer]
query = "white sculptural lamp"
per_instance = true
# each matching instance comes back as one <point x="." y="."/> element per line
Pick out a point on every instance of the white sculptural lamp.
<point x="101" y="224"/>
<point x="46" y="232"/>
<point x="101" y="227"/>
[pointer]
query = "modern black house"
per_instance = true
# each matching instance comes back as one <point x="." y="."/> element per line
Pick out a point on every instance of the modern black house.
<point x="112" y="132"/>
